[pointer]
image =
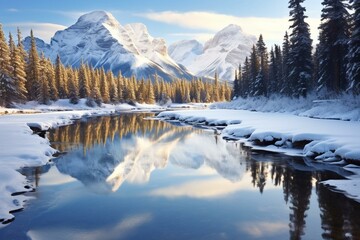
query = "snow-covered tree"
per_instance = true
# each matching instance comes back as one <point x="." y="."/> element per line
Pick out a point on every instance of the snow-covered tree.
<point x="300" y="59"/>
<point x="254" y="71"/>
<point x="353" y="68"/>
<point x="246" y="77"/>
<point x="264" y="66"/>
<point x="333" y="45"/>
<point x="285" y="88"/>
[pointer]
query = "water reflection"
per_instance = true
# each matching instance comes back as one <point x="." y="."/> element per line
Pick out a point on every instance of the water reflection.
<point x="106" y="152"/>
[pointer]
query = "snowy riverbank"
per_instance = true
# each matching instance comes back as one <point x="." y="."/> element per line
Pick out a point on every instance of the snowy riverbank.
<point x="19" y="147"/>
<point x="344" y="107"/>
<point x="329" y="141"/>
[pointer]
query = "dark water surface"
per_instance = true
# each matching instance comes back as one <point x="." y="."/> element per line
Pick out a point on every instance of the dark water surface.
<point x="124" y="177"/>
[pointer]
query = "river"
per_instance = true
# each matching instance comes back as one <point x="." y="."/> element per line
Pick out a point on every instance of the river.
<point x="128" y="177"/>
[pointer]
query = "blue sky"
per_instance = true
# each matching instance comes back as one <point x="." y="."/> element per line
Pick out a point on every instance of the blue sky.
<point x="172" y="20"/>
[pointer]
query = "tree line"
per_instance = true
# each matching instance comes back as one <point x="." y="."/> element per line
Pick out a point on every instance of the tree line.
<point x="28" y="76"/>
<point x="294" y="69"/>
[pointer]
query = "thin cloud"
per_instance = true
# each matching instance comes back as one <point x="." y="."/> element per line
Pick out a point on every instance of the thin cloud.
<point x="201" y="37"/>
<point x="273" y="29"/>
<point x="44" y="31"/>
<point x="263" y="228"/>
<point x="12" y="10"/>
<point x="71" y="14"/>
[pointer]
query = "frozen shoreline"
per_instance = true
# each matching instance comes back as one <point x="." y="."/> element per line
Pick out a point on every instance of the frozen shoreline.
<point x="327" y="141"/>
<point x="19" y="147"/>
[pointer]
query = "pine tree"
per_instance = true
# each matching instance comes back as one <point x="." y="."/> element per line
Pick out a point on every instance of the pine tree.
<point x="150" y="93"/>
<point x="120" y="87"/>
<point x="140" y="93"/>
<point x="32" y="71"/>
<point x="215" y="92"/>
<point x="157" y="88"/>
<point x="73" y="86"/>
<point x="246" y="78"/>
<point x="333" y="45"/>
<point x="300" y="59"/>
<point x="17" y="74"/>
<point x="64" y="80"/>
<point x="104" y="86"/>
<point x="59" y="77"/>
<point x="227" y="92"/>
<point x="7" y="90"/>
<point x="272" y="72"/>
<point x="353" y="67"/>
<point x="254" y="71"/>
<point x="113" y="91"/>
<point x="236" y="85"/>
<point x="285" y="88"/>
<point x="264" y="66"/>
<point x="279" y="69"/>
<point x="54" y="95"/>
<point x="84" y="88"/>
<point x="23" y="53"/>
<point x="43" y="92"/>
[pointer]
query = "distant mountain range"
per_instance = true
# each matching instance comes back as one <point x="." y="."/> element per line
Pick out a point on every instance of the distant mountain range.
<point x="98" y="39"/>
<point x="222" y="54"/>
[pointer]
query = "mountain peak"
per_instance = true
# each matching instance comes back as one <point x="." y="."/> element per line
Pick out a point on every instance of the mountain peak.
<point x="98" y="39"/>
<point x="221" y="54"/>
<point x="96" y="17"/>
<point x="232" y="27"/>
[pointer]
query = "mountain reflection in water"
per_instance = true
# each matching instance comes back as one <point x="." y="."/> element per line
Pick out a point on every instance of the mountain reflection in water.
<point x="103" y="153"/>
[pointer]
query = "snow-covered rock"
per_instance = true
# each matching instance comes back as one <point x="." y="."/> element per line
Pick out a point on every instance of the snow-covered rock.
<point x="99" y="39"/>
<point x="222" y="54"/>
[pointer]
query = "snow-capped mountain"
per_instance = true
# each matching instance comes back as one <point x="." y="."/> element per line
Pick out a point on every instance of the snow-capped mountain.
<point x="100" y="40"/>
<point x="223" y="53"/>
<point x="185" y="51"/>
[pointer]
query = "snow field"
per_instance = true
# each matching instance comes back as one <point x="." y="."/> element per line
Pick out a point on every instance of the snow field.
<point x="329" y="141"/>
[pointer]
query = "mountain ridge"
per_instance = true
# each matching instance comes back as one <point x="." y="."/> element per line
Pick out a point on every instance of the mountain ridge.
<point x="222" y="53"/>
<point x="98" y="39"/>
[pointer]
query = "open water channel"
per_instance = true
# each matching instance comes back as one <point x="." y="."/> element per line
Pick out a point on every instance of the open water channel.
<point x="125" y="177"/>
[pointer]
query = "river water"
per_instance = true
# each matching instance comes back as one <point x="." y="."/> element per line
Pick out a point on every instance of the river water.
<point x="125" y="177"/>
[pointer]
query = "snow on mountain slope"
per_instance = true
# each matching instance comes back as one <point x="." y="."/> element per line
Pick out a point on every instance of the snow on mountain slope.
<point x="40" y="44"/>
<point x="185" y="51"/>
<point x="99" y="39"/>
<point x="223" y="53"/>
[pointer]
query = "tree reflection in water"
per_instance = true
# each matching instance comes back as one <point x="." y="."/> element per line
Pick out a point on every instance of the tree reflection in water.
<point x="127" y="148"/>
